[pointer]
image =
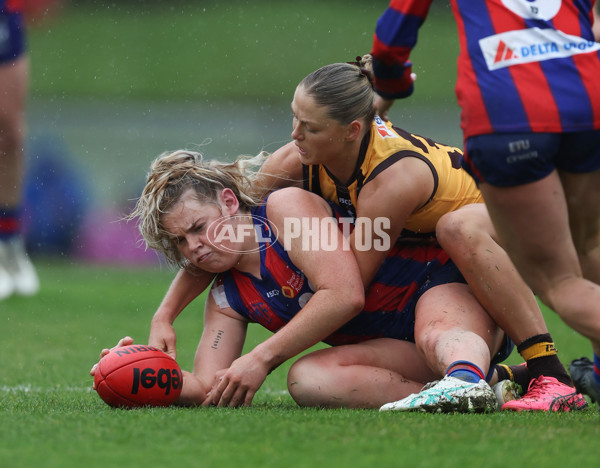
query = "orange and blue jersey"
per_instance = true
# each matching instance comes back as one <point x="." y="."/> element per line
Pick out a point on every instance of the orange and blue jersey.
<point x="282" y="291"/>
<point x="524" y="65"/>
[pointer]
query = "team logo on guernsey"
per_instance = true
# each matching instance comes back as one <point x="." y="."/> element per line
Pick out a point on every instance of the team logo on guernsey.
<point x="532" y="45"/>
<point x="383" y="130"/>
<point x="534" y="9"/>
<point x="259" y="312"/>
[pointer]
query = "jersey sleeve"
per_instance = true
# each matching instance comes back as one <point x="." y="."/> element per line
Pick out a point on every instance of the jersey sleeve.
<point x="395" y="36"/>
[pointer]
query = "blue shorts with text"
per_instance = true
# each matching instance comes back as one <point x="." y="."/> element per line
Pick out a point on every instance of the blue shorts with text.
<point x="510" y="159"/>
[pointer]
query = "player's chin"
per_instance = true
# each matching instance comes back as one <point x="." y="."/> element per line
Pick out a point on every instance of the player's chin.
<point x="304" y="157"/>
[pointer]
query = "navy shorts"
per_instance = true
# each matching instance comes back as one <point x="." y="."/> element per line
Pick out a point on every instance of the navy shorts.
<point x="12" y="36"/>
<point x="510" y="159"/>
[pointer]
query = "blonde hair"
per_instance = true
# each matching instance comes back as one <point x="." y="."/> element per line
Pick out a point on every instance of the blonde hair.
<point x="173" y="173"/>
<point x="344" y="89"/>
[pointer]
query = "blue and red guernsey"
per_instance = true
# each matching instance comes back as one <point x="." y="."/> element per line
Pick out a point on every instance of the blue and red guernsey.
<point x="524" y="65"/>
<point x="282" y="291"/>
<point x="11" y="6"/>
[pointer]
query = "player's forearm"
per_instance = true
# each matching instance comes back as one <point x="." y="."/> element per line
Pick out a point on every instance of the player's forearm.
<point x="325" y="312"/>
<point x="183" y="290"/>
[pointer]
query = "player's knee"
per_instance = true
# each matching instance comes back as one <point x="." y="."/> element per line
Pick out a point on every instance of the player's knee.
<point x="426" y="343"/>
<point x="461" y="229"/>
<point x="453" y="228"/>
<point x="303" y="379"/>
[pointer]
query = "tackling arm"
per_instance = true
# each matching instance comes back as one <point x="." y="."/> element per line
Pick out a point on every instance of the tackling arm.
<point x="391" y="197"/>
<point x="281" y="169"/>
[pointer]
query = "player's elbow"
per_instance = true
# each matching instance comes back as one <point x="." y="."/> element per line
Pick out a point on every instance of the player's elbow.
<point x="355" y="300"/>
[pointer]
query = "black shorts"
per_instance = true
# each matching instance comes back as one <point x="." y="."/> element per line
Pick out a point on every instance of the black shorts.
<point x="510" y="159"/>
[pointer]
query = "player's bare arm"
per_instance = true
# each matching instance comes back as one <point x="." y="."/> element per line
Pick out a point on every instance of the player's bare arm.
<point x="407" y="185"/>
<point x="184" y="288"/>
<point x="281" y="169"/>
<point x="220" y="345"/>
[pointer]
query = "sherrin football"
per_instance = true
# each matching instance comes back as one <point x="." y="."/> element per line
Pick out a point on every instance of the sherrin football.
<point x="137" y="375"/>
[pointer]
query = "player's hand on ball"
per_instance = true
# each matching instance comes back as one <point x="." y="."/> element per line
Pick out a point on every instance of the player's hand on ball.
<point x="126" y="341"/>
<point x="163" y="337"/>
<point x="134" y="375"/>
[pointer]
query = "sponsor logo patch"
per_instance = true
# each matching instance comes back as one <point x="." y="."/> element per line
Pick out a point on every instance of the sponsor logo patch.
<point x="532" y="45"/>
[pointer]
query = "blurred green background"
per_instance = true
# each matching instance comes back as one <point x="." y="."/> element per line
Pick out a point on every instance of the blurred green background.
<point x="245" y="51"/>
<point x="114" y="84"/>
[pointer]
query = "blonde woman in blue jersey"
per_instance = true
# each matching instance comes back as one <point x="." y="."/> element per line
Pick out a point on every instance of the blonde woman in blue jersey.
<point x="417" y="321"/>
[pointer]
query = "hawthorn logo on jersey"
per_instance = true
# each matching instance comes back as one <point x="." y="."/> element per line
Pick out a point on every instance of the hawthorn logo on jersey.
<point x="231" y="232"/>
<point x="531" y="45"/>
<point x="383" y="130"/>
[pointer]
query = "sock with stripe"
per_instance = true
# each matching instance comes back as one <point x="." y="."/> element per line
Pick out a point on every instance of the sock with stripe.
<point x="465" y="370"/>
<point x="518" y="374"/>
<point x="542" y="359"/>
<point x="10" y="222"/>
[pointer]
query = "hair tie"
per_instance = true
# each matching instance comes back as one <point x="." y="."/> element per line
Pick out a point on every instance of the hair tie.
<point x="356" y="62"/>
<point x="362" y="70"/>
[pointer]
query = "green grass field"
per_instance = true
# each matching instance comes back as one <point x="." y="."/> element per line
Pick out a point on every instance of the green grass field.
<point x="49" y="417"/>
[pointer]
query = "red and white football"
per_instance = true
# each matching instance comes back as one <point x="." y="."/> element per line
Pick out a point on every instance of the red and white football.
<point x="137" y="375"/>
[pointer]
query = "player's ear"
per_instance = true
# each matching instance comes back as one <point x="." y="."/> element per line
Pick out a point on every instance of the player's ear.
<point x="229" y="201"/>
<point x="354" y="129"/>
